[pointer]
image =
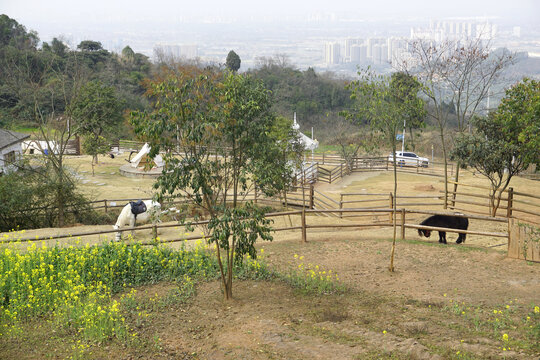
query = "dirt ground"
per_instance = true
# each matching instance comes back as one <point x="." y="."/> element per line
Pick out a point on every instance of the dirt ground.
<point x="408" y="314"/>
<point x="438" y="304"/>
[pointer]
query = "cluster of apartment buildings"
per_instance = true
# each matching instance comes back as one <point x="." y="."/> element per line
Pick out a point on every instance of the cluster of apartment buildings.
<point x="388" y="50"/>
<point x="374" y="50"/>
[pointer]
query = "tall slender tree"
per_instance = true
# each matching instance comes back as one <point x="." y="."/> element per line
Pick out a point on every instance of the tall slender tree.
<point x="463" y="73"/>
<point x="382" y="101"/>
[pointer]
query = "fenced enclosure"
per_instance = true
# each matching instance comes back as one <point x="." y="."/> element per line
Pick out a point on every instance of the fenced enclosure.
<point x="524" y="241"/>
<point x="334" y="167"/>
<point x="469" y="199"/>
<point x="514" y="204"/>
<point x="313" y="202"/>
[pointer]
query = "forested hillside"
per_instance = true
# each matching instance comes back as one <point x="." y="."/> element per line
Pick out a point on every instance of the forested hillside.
<point x="38" y="80"/>
<point x="317" y="98"/>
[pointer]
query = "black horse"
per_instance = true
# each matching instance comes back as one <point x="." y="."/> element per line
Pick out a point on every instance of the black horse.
<point x="445" y="221"/>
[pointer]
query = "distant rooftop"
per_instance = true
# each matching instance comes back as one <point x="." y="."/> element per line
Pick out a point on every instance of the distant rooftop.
<point x="8" y="137"/>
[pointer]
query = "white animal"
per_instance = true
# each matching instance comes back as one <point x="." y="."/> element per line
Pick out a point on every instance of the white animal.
<point x="153" y="210"/>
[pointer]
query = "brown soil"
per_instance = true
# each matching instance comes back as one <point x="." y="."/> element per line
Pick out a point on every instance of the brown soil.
<point x="400" y="315"/>
<point x="406" y="314"/>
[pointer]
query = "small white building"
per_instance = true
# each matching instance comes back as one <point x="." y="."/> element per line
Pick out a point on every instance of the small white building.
<point x="10" y="148"/>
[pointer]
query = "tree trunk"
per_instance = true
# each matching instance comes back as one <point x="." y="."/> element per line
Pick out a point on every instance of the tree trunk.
<point x="60" y="202"/>
<point x="391" y="268"/>
<point x="445" y="173"/>
<point x="456" y="180"/>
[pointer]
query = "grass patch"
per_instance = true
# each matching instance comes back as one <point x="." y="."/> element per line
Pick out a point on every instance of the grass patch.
<point x="312" y="279"/>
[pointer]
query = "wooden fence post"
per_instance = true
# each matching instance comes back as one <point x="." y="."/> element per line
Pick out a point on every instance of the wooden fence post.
<point x="341" y="206"/>
<point x="454" y="195"/>
<point x="105" y="202"/>
<point x="391" y="207"/>
<point x="304" y="232"/>
<point x="402" y="224"/>
<point x="311" y="196"/>
<point x="341" y="170"/>
<point x="323" y="158"/>
<point x="154" y="232"/>
<point x="510" y="202"/>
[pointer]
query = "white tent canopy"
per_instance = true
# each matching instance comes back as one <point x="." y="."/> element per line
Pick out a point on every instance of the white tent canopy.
<point x="309" y="143"/>
<point x="158" y="160"/>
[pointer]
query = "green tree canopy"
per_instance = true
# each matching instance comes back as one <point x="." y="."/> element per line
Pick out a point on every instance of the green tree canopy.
<point x="96" y="110"/>
<point x="214" y="133"/>
<point x="506" y="142"/>
<point x="89" y="45"/>
<point x="128" y="54"/>
<point x="384" y="101"/>
<point x="14" y="34"/>
<point x="233" y="61"/>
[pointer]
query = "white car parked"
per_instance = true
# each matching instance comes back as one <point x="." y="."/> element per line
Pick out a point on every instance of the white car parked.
<point x="409" y="159"/>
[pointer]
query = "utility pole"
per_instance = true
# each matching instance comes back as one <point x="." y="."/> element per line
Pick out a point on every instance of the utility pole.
<point x="403" y="139"/>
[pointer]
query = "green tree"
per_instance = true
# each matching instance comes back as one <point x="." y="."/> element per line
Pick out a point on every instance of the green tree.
<point x="506" y="142"/>
<point x="14" y="34"/>
<point x="458" y="73"/>
<point x="382" y="102"/>
<point x="59" y="48"/>
<point x="89" y="45"/>
<point x="214" y="130"/>
<point x="128" y="55"/>
<point x="95" y="146"/>
<point x="407" y="88"/>
<point x="233" y="61"/>
<point x="97" y="111"/>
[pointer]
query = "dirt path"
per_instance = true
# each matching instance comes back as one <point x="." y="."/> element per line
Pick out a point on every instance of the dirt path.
<point x="342" y="184"/>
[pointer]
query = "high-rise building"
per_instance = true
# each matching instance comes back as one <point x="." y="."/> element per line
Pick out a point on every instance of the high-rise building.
<point x="358" y="54"/>
<point x="189" y="51"/>
<point x="348" y="44"/>
<point x="376" y="54"/>
<point x="332" y="53"/>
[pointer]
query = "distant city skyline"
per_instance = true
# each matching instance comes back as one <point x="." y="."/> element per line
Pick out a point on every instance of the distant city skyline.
<point x="299" y="29"/>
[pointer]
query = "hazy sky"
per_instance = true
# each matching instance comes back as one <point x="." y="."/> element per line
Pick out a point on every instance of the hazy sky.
<point x="89" y="12"/>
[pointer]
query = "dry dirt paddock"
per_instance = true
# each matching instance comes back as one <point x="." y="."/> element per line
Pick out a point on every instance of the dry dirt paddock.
<point x="438" y="304"/>
<point x="442" y="302"/>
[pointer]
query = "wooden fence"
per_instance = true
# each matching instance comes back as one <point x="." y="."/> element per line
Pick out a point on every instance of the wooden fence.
<point x="400" y="214"/>
<point x="375" y="163"/>
<point x="524" y="241"/>
<point x="332" y="174"/>
<point x="514" y="204"/>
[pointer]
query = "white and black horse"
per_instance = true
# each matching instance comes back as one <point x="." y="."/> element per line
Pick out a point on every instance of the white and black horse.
<point x="445" y="221"/>
<point x="137" y="211"/>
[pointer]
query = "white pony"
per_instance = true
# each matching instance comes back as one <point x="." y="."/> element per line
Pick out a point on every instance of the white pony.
<point x="152" y="212"/>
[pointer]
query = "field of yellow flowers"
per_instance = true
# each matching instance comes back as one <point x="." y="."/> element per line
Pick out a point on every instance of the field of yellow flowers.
<point x="124" y="300"/>
<point x="75" y="287"/>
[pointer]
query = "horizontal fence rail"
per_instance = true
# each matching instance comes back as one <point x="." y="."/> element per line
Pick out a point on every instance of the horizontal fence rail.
<point x="397" y="215"/>
<point x="304" y="226"/>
